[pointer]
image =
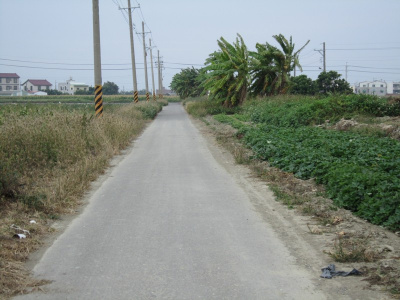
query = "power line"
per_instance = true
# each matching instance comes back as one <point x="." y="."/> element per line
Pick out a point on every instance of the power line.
<point x="373" y="72"/>
<point x="171" y="63"/>
<point x="85" y="64"/>
<point x="362" y="49"/>
<point x="73" y="69"/>
<point x="65" y="69"/>
<point x="380" y="68"/>
<point x="56" y="63"/>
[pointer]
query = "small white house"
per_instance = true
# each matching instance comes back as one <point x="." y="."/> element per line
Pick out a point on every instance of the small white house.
<point x="71" y="86"/>
<point x="36" y="85"/>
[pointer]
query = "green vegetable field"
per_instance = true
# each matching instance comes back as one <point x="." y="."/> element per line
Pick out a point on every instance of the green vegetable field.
<point x="360" y="172"/>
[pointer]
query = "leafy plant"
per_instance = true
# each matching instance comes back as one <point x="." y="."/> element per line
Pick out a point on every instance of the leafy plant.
<point x="187" y="83"/>
<point x="227" y="76"/>
<point x="271" y="67"/>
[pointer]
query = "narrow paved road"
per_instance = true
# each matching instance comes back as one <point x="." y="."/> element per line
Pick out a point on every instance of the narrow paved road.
<point x="170" y="223"/>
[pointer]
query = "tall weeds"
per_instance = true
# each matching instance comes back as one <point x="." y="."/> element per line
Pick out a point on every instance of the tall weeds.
<point x="49" y="155"/>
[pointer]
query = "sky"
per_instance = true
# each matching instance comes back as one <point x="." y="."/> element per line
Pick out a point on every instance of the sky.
<point x="53" y="39"/>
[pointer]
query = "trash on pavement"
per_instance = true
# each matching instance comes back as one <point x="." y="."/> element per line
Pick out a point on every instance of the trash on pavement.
<point x="330" y="271"/>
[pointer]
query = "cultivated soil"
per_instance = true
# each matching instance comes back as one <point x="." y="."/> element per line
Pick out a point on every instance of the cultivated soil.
<point x="315" y="231"/>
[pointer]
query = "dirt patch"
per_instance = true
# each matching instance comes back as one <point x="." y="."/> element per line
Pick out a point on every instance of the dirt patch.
<point x="383" y="126"/>
<point x="315" y="231"/>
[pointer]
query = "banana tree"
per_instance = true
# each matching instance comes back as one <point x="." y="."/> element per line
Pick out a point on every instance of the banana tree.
<point x="227" y="72"/>
<point x="271" y="66"/>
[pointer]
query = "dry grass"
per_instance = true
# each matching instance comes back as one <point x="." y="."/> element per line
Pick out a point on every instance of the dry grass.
<point x="348" y="248"/>
<point x="48" y="157"/>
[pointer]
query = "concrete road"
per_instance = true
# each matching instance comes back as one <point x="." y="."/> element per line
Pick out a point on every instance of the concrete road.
<point x="171" y="223"/>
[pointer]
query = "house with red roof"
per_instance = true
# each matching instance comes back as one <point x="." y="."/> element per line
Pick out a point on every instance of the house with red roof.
<point x="36" y="85"/>
<point x="9" y="83"/>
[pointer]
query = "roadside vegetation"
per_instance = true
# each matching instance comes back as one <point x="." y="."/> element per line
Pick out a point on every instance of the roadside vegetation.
<point x="71" y="99"/>
<point x="360" y="170"/>
<point x="49" y="154"/>
<point x="321" y="149"/>
<point x="319" y="154"/>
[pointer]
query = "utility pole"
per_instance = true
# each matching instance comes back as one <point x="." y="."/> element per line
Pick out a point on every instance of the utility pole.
<point x="98" y="90"/>
<point x="145" y="62"/>
<point x="159" y="74"/>
<point x="346" y="71"/>
<point x="323" y="53"/>
<point x="152" y="70"/>
<point x="324" y="57"/>
<point x="161" y="78"/>
<point x="294" y="74"/>
<point x="135" y="90"/>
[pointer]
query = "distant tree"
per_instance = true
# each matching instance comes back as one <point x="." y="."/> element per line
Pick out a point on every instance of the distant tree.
<point x="126" y="93"/>
<point x="186" y="83"/>
<point x="142" y="92"/>
<point x="53" y="92"/>
<point x="330" y="82"/>
<point x="110" y="88"/>
<point x="302" y="85"/>
<point x="89" y="91"/>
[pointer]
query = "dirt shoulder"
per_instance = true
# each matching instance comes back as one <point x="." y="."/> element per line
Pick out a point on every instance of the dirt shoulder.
<point x="315" y="231"/>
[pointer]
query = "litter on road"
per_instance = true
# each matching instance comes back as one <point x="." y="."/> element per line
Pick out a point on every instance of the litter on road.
<point x="330" y="271"/>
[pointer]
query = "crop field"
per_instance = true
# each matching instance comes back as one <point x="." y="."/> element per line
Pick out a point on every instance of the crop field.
<point x="77" y="99"/>
<point x="360" y="171"/>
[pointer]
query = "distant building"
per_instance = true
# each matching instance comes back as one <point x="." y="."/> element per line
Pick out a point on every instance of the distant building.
<point x="376" y="87"/>
<point x="36" y="85"/>
<point x="393" y="88"/>
<point x="71" y="86"/>
<point x="9" y="83"/>
<point x="166" y="92"/>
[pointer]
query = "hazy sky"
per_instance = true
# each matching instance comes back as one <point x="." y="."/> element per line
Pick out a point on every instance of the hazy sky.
<point x="52" y="39"/>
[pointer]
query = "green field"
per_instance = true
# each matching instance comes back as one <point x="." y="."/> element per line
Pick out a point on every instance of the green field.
<point x="361" y="172"/>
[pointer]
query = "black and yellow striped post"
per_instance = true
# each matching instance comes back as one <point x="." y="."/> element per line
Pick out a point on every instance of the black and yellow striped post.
<point x="136" y="96"/>
<point x="147" y="97"/>
<point x="154" y="97"/>
<point x="98" y="100"/>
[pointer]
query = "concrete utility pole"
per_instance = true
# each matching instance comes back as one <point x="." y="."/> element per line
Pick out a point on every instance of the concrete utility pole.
<point x="98" y="90"/>
<point x="145" y="62"/>
<point x="152" y="70"/>
<point x="135" y="90"/>
<point x="161" y="78"/>
<point x="324" y="57"/>
<point x="346" y="71"/>
<point x="159" y="74"/>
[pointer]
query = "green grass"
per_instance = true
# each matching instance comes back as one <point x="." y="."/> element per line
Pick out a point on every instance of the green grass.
<point x="296" y="112"/>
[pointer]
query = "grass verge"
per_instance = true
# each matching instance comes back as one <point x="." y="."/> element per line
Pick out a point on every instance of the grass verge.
<point x="48" y="157"/>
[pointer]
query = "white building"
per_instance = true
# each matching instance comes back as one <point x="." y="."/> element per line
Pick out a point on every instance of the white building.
<point x="9" y="83"/>
<point x="71" y="86"/>
<point x="376" y="87"/>
<point x="36" y="85"/>
<point x="393" y="88"/>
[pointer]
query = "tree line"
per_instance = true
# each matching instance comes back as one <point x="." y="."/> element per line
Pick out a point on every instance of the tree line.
<point x="233" y="73"/>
